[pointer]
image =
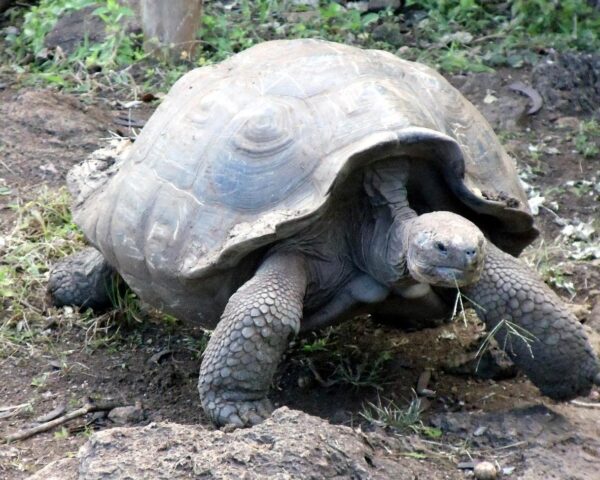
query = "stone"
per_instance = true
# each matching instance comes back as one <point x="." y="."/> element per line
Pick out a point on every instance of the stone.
<point x="127" y="415"/>
<point x="389" y="33"/>
<point x="376" y="5"/>
<point x="289" y="445"/>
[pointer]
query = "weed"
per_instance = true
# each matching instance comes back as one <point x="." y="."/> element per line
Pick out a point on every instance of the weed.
<point x="62" y="434"/>
<point x="197" y="345"/>
<point x="125" y="303"/>
<point x="40" y="380"/>
<point x="512" y="331"/>
<point x="453" y="35"/>
<point x="391" y="415"/>
<point x="43" y="233"/>
<point x="352" y="354"/>
<point x="367" y="372"/>
<point x="587" y="140"/>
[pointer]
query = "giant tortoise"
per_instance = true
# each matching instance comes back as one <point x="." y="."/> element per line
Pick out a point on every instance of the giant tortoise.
<point x="297" y="180"/>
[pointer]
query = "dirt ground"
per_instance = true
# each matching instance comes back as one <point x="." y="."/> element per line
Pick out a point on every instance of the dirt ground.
<point x="43" y="133"/>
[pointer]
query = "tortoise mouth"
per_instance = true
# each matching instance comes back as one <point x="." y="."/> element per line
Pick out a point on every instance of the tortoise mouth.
<point x="444" y="275"/>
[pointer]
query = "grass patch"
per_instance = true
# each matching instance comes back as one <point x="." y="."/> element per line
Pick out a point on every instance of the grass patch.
<point x="388" y="414"/>
<point x="587" y="140"/>
<point x="354" y="353"/>
<point x="452" y="35"/>
<point x="43" y="233"/>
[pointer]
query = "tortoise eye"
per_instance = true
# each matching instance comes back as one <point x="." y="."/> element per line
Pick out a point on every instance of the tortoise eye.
<point x="441" y="247"/>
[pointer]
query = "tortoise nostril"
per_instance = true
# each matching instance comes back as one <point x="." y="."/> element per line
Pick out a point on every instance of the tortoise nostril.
<point x="471" y="255"/>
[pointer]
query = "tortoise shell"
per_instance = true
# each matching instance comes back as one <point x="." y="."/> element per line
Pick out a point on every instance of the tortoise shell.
<point x="248" y="152"/>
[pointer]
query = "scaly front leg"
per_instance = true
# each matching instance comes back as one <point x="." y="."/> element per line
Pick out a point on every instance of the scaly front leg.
<point x="541" y="335"/>
<point x="246" y="347"/>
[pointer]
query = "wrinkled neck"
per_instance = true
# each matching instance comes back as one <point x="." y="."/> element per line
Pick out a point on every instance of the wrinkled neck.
<point x="379" y="247"/>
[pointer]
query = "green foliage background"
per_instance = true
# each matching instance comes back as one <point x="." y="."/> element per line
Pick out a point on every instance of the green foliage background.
<point x="451" y="35"/>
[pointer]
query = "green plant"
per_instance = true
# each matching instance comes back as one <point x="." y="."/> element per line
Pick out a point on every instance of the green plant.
<point x="43" y="232"/>
<point x="587" y="140"/>
<point x="391" y="415"/>
<point x="512" y="332"/>
<point x="362" y="371"/>
<point x="354" y="354"/>
<point x="62" y="434"/>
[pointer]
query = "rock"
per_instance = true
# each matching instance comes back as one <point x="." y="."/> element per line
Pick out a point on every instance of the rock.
<point x="535" y="437"/>
<point x="127" y="415"/>
<point x="485" y="471"/>
<point x="593" y="320"/>
<point x="308" y="3"/>
<point x="570" y="123"/>
<point x="389" y="33"/>
<point x="289" y="445"/>
<point x="568" y="82"/>
<point x="361" y="6"/>
<point x="506" y="112"/>
<point x="73" y="27"/>
<point x="376" y="5"/>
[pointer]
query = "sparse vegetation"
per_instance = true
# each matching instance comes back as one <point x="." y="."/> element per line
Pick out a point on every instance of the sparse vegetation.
<point x="354" y="354"/>
<point x="512" y="332"/>
<point x="587" y="140"/>
<point x="453" y="35"/>
<point x="43" y="232"/>
<point x="389" y="414"/>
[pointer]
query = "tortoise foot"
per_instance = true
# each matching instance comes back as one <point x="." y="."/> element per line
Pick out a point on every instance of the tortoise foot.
<point x="83" y="279"/>
<point x="237" y="414"/>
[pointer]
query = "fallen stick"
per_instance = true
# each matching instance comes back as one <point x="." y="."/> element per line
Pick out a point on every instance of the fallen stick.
<point x="13" y="407"/>
<point x="579" y="403"/>
<point x="89" y="407"/>
<point x="12" y="410"/>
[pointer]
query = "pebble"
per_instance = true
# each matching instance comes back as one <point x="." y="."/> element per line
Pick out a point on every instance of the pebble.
<point x="127" y="415"/>
<point x="485" y="471"/>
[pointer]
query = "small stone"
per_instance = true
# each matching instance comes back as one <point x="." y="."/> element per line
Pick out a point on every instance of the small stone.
<point x="307" y="3"/>
<point x="571" y="123"/>
<point x="376" y="5"/>
<point x="127" y="415"/>
<point x="389" y="33"/>
<point x="485" y="471"/>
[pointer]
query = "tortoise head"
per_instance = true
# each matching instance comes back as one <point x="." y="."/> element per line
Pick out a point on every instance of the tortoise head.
<point x="444" y="249"/>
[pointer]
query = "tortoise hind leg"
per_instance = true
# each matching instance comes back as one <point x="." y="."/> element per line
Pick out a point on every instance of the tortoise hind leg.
<point x="246" y="347"/>
<point x="83" y="279"/>
<point x="540" y="334"/>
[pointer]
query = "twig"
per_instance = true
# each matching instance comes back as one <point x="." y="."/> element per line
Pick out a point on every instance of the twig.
<point x="12" y="410"/>
<point x="579" y="403"/>
<point x="317" y="376"/>
<point x="89" y="407"/>
<point x="13" y="407"/>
